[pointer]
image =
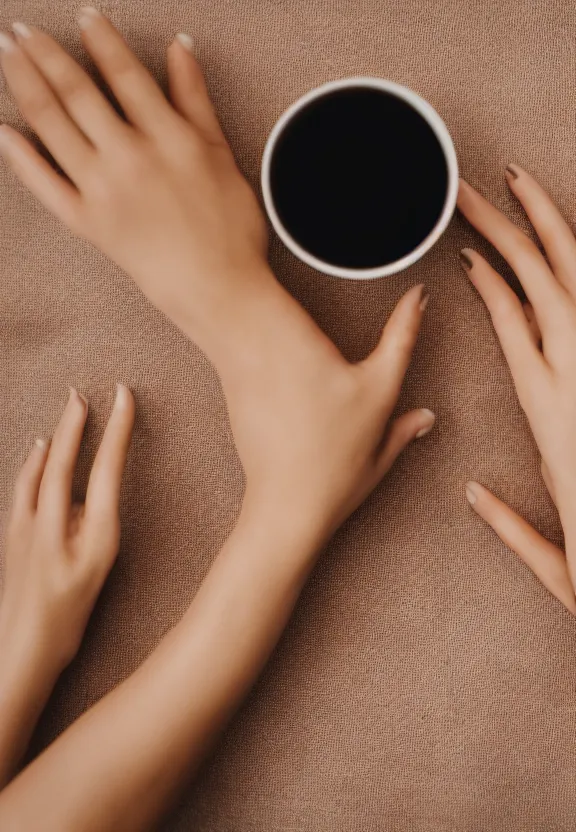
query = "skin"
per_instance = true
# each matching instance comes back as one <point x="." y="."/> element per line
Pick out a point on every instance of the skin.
<point x="159" y="195"/>
<point x="58" y="555"/>
<point x="539" y="343"/>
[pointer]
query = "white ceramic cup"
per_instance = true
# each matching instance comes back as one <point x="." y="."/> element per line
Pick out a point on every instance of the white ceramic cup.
<point x="441" y="132"/>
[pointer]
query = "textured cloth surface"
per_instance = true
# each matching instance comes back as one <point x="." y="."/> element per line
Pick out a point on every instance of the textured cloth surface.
<point x="426" y="681"/>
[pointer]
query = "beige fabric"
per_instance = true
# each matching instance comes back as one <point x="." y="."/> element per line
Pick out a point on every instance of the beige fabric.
<point x="426" y="681"/>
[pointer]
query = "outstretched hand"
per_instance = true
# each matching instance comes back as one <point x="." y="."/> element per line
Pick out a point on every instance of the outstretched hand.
<point x="539" y="343"/>
<point x="160" y="193"/>
<point x="58" y="555"/>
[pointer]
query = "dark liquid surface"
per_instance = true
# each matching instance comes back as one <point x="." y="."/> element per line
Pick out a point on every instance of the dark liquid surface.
<point x="358" y="178"/>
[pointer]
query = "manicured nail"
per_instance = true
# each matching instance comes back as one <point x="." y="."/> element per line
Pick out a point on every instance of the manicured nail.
<point x="6" y="43"/>
<point x="87" y="15"/>
<point x="430" y="418"/>
<point x="424" y="303"/>
<point x="40" y="443"/>
<point x="512" y="171"/>
<point x="186" y="41"/>
<point x="471" y="494"/>
<point x="121" y="394"/>
<point x="465" y="260"/>
<point x="75" y="394"/>
<point x="22" y="30"/>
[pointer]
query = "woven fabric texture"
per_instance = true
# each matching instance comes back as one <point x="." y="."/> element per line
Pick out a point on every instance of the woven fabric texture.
<point x="426" y="681"/>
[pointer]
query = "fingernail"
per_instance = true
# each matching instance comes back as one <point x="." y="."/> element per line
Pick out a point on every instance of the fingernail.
<point x="187" y="42"/>
<point x="22" y="30"/>
<point x="465" y="260"/>
<point x="6" y="43"/>
<point x="431" y="418"/>
<point x="121" y="394"/>
<point x="75" y="394"/>
<point x="87" y="15"/>
<point x="424" y="302"/>
<point x="40" y="443"/>
<point x="471" y="495"/>
<point x="512" y="171"/>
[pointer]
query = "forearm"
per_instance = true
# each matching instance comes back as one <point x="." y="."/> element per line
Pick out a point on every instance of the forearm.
<point x="27" y="678"/>
<point x="121" y="763"/>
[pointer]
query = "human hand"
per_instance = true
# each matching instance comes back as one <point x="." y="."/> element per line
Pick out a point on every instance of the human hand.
<point x="539" y="343"/>
<point x="163" y="197"/>
<point x="58" y="554"/>
<point x="313" y="431"/>
<point x="160" y="194"/>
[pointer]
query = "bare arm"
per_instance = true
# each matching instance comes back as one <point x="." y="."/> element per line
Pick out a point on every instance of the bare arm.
<point x="162" y="196"/>
<point x="120" y="764"/>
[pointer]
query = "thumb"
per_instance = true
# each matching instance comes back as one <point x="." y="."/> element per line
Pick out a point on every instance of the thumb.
<point x="391" y="357"/>
<point x="406" y="428"/>
<point x="188" y="91"/>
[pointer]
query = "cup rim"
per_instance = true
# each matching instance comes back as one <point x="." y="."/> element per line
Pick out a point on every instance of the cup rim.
<point x="428" y="112"/>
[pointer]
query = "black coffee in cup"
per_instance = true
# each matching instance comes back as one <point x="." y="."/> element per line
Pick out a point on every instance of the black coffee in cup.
<point x="358" y="178"/>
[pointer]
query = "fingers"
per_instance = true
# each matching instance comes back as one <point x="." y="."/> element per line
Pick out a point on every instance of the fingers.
<point x="546" y="560"/>
<point x="52" y="190"/>
<point x="553" y="231"/>
<point x="77" y="93"/>
<point x="389" y="361"/>
<point x="509" y="319"/>
<point x="43" y="112"/>
<point x="188" y="91"/>
<point x="29" y="479"/>
<point x="405" y="429"/>
<point x="137" y="92"/>
<point x="103" y="494"/>
<point x="55" y="496"/>
<point x="542" y="289"/>
<point x="532" y="324"/>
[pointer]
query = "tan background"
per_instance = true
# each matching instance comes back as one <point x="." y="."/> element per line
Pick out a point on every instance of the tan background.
<point x="427" y="681"/>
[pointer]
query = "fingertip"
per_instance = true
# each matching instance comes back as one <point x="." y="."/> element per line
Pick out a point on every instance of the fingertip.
<point x="186" y="41"/>
<point x="512" y="172"/>
<point x="473" y="491"/>
<point x="78" y="398"/>
<point x="466" y="257"/>
<point x="427" y="421"/>
<point x="463" y="187"/>
<point x="124" y="397"/>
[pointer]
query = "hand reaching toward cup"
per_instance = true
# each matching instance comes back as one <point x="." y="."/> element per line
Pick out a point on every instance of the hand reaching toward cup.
<point x="161" y="195"/>
<point x="539" y="343"/>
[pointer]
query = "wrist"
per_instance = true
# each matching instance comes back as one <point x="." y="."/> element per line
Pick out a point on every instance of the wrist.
<point x="208" y="302"/>
<point x="274" y="525"/>
<point x="25" y="658"/>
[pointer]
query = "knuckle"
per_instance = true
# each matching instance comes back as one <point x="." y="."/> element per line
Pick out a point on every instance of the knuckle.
<point x="525" y="246"/>
<point x="122" y="68"/>
<point x="36" y="103"/>
<point x="70" y="87"/>
<point x="503" y="311"/>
